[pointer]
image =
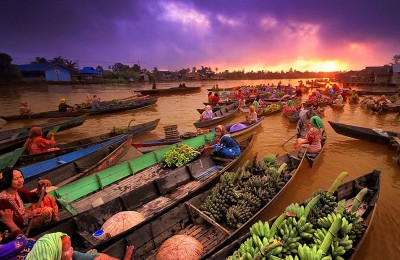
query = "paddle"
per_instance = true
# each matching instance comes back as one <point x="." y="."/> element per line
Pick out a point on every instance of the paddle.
<point x="38" y="205"/>
<point x="289" y="139"/>
<point x="54" y="130"/>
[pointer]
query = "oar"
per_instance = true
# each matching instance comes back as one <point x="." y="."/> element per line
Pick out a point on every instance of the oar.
<point x="54" y="129"/>
<point x="38" y="205"/>
<point x="289" y="139"/>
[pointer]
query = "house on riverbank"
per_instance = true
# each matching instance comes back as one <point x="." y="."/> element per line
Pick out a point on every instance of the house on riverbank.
<point x="45" y="72"/>
<point x="388" y="75"/>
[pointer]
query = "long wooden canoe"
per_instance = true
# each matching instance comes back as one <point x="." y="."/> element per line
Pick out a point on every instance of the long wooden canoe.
<point x="134" y="130"/>
<point x="151" y="191"/>
<point x="150" y="146"/>
<point x="219" y="116"/>
<point x="364" y="133"/>
<point x="16" y="141"/>
<point x="69" y="166"/>
<point x="175" y="90"/>
<point x="188" y="218"/>
<point x="302" y="131"/>
<point x="109" y="108"/>
<point x="346" y="191"/>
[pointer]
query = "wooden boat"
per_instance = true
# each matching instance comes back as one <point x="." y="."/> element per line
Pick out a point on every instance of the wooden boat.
<point x="68" y="167"/>
<point x="219" y="116"/>
<point x="109" y="108"/>
<point x="363" y="133"/>
<point x="187" y="218"/>
<point x="337" y="106"/>
<point x="134" y="130"/>
<point x="175" y="90"/>
<point x="346" y="191"/>
<point x="302" y="131"/>
<point x="150" y="146"/>
<point x="225" y="103"/>
<point x="151" y="192"/>
<point x="376" y="92"/>
<point x="18" y="139"/>
<point x="220" y="89"/>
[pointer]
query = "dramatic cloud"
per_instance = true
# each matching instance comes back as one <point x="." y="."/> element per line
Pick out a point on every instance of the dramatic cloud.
<point x="227" y="34"/>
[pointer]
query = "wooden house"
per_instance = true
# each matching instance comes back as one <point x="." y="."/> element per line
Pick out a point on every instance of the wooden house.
<point x="395" y="74"/>
<point x="45" y="72"/>
<point x="89" y="73"/>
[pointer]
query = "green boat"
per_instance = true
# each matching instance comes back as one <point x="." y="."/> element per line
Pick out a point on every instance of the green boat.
<point x="74" y="197"/>
<point x="153" y="192"/>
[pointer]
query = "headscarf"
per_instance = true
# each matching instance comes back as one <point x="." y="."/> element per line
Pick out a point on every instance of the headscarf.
<point x="290" y="102"/>
<point x="48" y="247"/>
<point x="208" y="108"/>
<point x="62" y="100"/>
<point x="316" y="122"/>
<point x="222" y="128"/>
<point x="35" y="131"/>
<point x="252" y="108"/>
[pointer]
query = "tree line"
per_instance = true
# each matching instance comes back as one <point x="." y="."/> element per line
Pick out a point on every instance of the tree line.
<point x="9" y="72"/>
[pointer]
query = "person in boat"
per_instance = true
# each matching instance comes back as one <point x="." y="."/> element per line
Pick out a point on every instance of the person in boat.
<point x="354" y="97"/>
<point x="216" y="99"/>
<point x="95" y="102"/>
<point x="338" y="100"/>
<point x="25" y="109"/>
<point x="226" y="147"/>
<point x="207" y="113"/>
<point x="57" y="246"/>
<point x="15" y="245"/>
<point x="13" y="196"/>
<point x="36" y="143"/>
<point x="63" y="106"/>
<point x="314" y="136"/>
<point x="210" y="97"/>
<point x="289" y="107"/>
<point x="242" y="102"/>
<point x="252" y="117"/>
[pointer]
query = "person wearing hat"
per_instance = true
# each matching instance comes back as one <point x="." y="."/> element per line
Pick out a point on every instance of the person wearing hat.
<point x="314" y="136"/>
<point x="63" y="106"/>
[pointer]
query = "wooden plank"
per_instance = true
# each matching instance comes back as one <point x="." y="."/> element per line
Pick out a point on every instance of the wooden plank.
<point x="208" y="219"/>
<point x="172" y="180"/>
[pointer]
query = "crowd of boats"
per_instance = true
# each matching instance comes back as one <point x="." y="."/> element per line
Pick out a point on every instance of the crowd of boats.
<point x="204" y="199"/>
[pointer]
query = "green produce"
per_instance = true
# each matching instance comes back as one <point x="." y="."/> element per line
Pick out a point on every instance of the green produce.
<point x="179" y="156"/>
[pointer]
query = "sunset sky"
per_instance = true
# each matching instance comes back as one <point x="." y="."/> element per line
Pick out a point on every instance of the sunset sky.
<point x="230" y="35"/>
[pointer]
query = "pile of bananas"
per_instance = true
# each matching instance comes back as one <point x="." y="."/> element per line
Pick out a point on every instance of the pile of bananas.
<point x="222" y="196"/>
<point x="240" y="195"/>
<point x="115" y="102"/>
<point x="272" y="108"/>
<point x="293" y="237"/>
<point x="179" y="156"/>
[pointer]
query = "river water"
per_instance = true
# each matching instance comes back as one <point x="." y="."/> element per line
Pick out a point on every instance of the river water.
<point x="341" y="153"/>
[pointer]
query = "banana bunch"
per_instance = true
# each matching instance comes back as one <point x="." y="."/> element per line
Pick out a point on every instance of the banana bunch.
<point x="260" y="229"/>
<point x="357" y="228"/>
<point x="291" y="231"/>
<point x="307" y="253"/>
<point x="324" y="207"/>
<point x="222" y="196"/>
<point x="296" y="209"/>
<point x="270" y="160"/>
<point x="327" y="221"/>
<point x="237" y="215"/>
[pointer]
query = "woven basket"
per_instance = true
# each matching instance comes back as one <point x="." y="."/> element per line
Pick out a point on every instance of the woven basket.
<point x="180" y="247"/>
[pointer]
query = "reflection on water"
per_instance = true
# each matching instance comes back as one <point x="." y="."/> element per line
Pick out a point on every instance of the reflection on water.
<point x="341" y="153"/>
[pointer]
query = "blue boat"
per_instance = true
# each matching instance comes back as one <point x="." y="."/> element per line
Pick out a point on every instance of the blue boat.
<point x="58" y="169"/>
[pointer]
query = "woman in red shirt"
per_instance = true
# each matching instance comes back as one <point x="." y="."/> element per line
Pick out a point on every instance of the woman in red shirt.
<point x="37" y="144"/>
<point x="13" y="196"/>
